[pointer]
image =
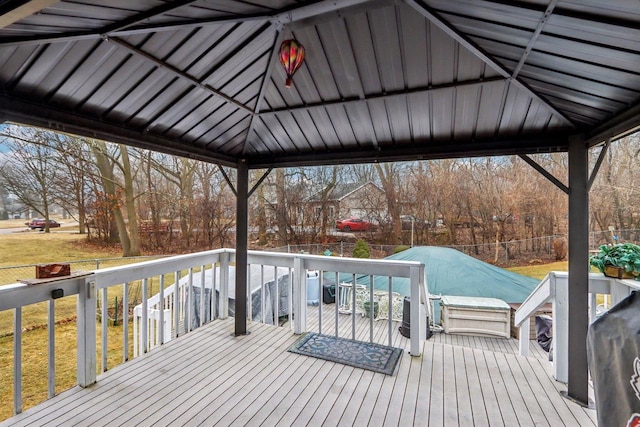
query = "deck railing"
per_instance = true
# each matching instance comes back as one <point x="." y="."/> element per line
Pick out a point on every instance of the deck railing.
<point x="554" y="288"/>
<point x="177" y="302"/>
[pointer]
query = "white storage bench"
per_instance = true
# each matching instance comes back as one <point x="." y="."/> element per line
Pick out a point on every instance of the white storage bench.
<point x="489" y="317"/>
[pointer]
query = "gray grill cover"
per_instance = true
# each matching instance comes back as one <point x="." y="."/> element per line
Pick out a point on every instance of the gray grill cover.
<point x="613" y="349"/>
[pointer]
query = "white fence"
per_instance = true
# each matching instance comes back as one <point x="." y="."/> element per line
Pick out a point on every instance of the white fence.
<point x="171" y="312"/>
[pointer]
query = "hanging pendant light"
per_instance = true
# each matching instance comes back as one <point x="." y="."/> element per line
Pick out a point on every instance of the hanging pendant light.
<point x="291" y="57"/>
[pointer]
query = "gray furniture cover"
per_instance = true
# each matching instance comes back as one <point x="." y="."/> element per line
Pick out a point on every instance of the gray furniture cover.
<point x="613" y="348"/>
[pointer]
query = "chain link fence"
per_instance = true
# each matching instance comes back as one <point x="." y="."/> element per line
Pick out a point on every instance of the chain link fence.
<point x="502" y="252"/>
<point x="35" y="316"/>
<point x="15" y="273"/>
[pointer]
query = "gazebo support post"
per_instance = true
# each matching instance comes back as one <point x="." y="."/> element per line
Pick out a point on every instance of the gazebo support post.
<point x="242" y="237"/>
<point x="578" y="375"/>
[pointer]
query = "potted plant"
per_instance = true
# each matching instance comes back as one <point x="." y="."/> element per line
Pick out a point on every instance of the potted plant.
<point x="621" y="261"/>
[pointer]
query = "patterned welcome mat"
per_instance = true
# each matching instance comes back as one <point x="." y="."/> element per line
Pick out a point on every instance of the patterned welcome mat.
<point x="364" y="355"/>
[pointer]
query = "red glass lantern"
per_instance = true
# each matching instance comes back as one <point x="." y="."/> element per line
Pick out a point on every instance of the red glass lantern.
<point x="291" y="57"/>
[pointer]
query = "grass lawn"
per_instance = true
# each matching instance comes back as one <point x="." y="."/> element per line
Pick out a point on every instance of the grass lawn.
<point x="35" y="247"/>
<point x="538" y="271"/>
<point x="31" y="247"/>
<point x="35" y="368"/>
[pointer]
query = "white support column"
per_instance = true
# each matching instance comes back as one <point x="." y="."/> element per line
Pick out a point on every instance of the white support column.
<point x="424" y="303"/>
<point x="300" y="296"/>
<point x="416" y="333"/>
<point x="86" y="333"/>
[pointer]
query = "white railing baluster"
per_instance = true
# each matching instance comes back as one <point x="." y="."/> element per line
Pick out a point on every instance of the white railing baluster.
<point x="276" y="315"/>
<point x="151" y="330"/>
<point x="263" y="304"/>
<point x="353" y="306"/>
<point x="592" y="307"/>
<point x="524" y="337"/>
<point x="371" y="308"/>
<point x="337" y="301"/>
<point x="176" y="304"/>
<point x="224" y="285"/>
<point x="213" y="299"/>
<point x="51" y="348"/>
<point x="248" y="296"/>
<point x="560" y="309"/>
<point x="202" y="294"/>
<point x="103" y="330"/>
<point x="161" y="308"/>
<point x="390" y="322"/>
<point x="189" y="312"/>
<point x="125" y="322"/>
<point x="144" y="348"/>
<point x="290" y="300"/>
<point x="136" y="332"/>
<point x="17" y="360"/>
<point x="320" y="304"/>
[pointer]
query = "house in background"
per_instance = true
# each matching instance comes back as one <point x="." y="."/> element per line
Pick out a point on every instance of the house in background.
<point x="365" y="201"/>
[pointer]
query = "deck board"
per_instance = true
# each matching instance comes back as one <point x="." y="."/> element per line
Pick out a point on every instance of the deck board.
<point x="210" y="377"/>
<point x="476" y="395"/>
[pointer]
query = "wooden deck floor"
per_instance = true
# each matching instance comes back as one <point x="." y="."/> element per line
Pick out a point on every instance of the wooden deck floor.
<point x="210" y="377"/>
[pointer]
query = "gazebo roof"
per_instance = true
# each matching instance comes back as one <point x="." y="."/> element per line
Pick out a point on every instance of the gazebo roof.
<point x="382" y="79"/>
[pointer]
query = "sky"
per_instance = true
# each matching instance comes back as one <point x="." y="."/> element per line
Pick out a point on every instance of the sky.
<point x="3" y="145"/>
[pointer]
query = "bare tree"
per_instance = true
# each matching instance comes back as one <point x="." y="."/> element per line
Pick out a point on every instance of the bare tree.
<point x="108" y="158"/>
<point x="215" y="207"/>
<point x="30" y="172"/>
<point x="261" y="211"/>
<point x="71" y="189"/>
<point x="180" y="172"/>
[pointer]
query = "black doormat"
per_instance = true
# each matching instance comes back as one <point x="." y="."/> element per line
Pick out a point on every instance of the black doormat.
<point x="364" y="355"/>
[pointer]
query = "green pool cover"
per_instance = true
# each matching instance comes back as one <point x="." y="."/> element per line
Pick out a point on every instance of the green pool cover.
<point x="450" y="272"/>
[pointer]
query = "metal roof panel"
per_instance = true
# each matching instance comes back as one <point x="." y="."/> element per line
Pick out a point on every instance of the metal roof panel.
<point x="380" y="76"/>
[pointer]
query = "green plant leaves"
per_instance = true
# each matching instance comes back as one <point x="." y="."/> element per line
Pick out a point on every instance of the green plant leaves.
<point x="623" y="255"/>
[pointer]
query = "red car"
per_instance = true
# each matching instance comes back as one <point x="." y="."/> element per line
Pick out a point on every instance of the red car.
<point x="354" y="224"/>
<point x="40" y="223"/>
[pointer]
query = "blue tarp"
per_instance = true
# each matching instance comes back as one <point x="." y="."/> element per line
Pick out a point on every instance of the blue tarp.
<point x="450" y="272"/>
